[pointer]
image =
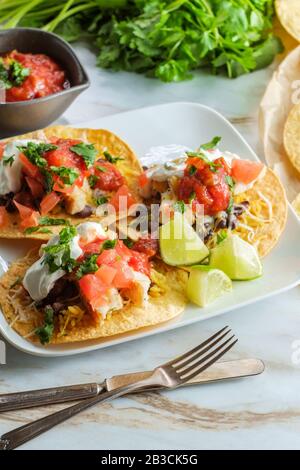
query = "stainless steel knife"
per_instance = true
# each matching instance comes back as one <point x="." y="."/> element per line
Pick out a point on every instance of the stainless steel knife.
<point x="32" y="398"/>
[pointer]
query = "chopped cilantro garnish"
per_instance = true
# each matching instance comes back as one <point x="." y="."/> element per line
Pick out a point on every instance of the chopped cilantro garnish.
<point x="88" y="266"/>
<point x="230" y="205"/>
<point x="8" y="160"/>
<point x="34" y="152"/>
<point x="221" y="235"/>
<point x="30" y="230"/>
<point x="110" y="158"/>
<point x="129" y="243"/>
<point x="230" y="182"/>
<point x="101" y="200"/>
<point x="12" y="73"/>
<point x="213" y="166"/>
<point x="192" y="196"/>
<point x="109" y="244"/>
<point x="50" y="221"/>
<point x="179" y="206"/>
<point x="48" y="181"/>
<point x="212" y="144"/>
<point x="59" y="256"/>
<point x="67" y="175"/>
<point x="101" y="168"/>
<point x="87" y="151"/>
<point x="16" y="282"/>
<point x="192" y="170"/>
<point x="45" y="332"/>
<point x="92" y="179"/>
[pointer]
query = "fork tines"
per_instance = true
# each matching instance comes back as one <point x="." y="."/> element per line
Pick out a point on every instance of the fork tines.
<point x="193" y="362"/>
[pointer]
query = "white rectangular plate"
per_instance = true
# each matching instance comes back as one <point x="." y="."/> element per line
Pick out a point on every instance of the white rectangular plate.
<point x="186" y="124"/>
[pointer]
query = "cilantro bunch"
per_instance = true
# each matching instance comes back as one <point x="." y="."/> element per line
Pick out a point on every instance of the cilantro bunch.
<point x="167" y="39"/>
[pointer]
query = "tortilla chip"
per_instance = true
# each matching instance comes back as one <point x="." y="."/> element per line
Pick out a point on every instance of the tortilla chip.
<point x="103" y="140"/>
<point x="291" y="137"/>
<point x="296" y="204"/>
<point x="267" y="227"/>
<point x="288" y="12"/>
<point x="167" y="300"/>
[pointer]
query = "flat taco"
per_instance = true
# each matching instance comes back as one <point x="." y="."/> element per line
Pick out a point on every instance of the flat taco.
<point x="61" y="175"/>
<point x="86" y="284"/>
<point x="237" y="195"/>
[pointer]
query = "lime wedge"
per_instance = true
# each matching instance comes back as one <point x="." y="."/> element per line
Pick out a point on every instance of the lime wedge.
<point x="179" y="243"/>
<point x="206" y="285"/>
<point x="237" y="258"/>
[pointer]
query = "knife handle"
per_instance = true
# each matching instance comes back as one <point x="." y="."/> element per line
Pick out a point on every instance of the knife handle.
<point x="47" y="396"/>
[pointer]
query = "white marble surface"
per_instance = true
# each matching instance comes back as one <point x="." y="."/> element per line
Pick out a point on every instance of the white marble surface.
<point x="257" y="413"/>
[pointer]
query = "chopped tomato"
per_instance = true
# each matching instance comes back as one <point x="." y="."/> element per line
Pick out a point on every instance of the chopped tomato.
<point x="108" y="176"/>
<point x="140" y="262"/>
<point x="245" y="171"/>
<point x="106" y="274"/>
<point x="93" y="292"/>
<point x="2" y="147"/>
<point x="108" y="257"/>
<point x="28" y="167"/>
<point x="143" y="180"/>
<point x="123" y="251"/>
<point x="93" y="247"/>
<point x="29" y="217"/>
<point x="3" y="217"/>
<point x="123" y="199"/>
<point x="35" y="187"/>
<point x="146" y="245"/>
<point x="124" y="275"/>
<point x="49" y="202"/>
<point x="63" y="156"/>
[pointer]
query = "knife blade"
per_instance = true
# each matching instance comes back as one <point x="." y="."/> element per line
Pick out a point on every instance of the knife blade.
<point x="33" y="398"/>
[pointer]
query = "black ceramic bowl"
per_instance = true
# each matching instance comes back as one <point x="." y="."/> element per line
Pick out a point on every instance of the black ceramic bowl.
<point x="25" y="116"/>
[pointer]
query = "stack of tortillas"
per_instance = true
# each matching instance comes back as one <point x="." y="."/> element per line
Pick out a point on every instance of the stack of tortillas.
<point x="280" y="107"/>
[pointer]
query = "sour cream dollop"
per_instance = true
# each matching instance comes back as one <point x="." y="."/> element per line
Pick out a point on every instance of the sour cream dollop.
<point x="10" y="175"/>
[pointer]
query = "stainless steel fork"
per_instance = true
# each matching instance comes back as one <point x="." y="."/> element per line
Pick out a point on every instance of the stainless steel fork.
<point x="169" y="375"/>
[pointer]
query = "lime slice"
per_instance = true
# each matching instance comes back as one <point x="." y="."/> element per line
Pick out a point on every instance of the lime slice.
<point x="237" y="258"/>
<point x="180" y="244"/>
<point x="206" y="285"/>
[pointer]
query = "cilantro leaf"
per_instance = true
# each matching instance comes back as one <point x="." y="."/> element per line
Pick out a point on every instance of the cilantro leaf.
<point x="67" y="175"/>
<point x="93" y="179"/>
<point x="101" y="200"/>
<point x="212" y="144"/>
<point x="221" y="236"/>
<point x="110" y="158"/>
<point x="30" y="230"/>
<point x="88" y="266"/>
<point x="109" y="244"/>
<point x="58" y="256"/>
<point x="129" y="243"/>
<point x="34" y="152"/>
<point x="46" y="331"/>
<point x="230" y="182"/>
<point x="179" y="206"/>
<point x="12" y="73"/>
<point x="51" y="221"/>
<point x="9" y="160"/>
<point x="87" y="151"/>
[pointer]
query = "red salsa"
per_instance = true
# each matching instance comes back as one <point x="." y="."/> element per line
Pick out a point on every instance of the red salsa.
<point x="206" y="183"/>
<point x="30" y="76"/>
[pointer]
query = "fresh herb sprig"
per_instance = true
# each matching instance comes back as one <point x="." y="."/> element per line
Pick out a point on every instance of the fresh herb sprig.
<point x="46" y="331"/>
<point x="87" y="151"/>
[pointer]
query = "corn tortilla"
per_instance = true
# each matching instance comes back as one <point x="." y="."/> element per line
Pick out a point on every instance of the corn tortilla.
<point x="169" y="302"/>
<point x="102" y="140"/>
<point x="296" y="204"/>
<point x="291" y="137"/>
<point x="267" y="228"/>
<point x="288" y="12"/>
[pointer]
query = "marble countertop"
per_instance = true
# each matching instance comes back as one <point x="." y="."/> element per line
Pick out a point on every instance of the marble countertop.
<point x="257" y="413"/>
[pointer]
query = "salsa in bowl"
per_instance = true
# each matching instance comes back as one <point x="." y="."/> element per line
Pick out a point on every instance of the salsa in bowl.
<point x="42" y="76"/>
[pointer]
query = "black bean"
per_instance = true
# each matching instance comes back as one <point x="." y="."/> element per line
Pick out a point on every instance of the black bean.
<point x="232" y="223"/>
<point x="86" y="212"/>
<point x="238" y="210"/>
